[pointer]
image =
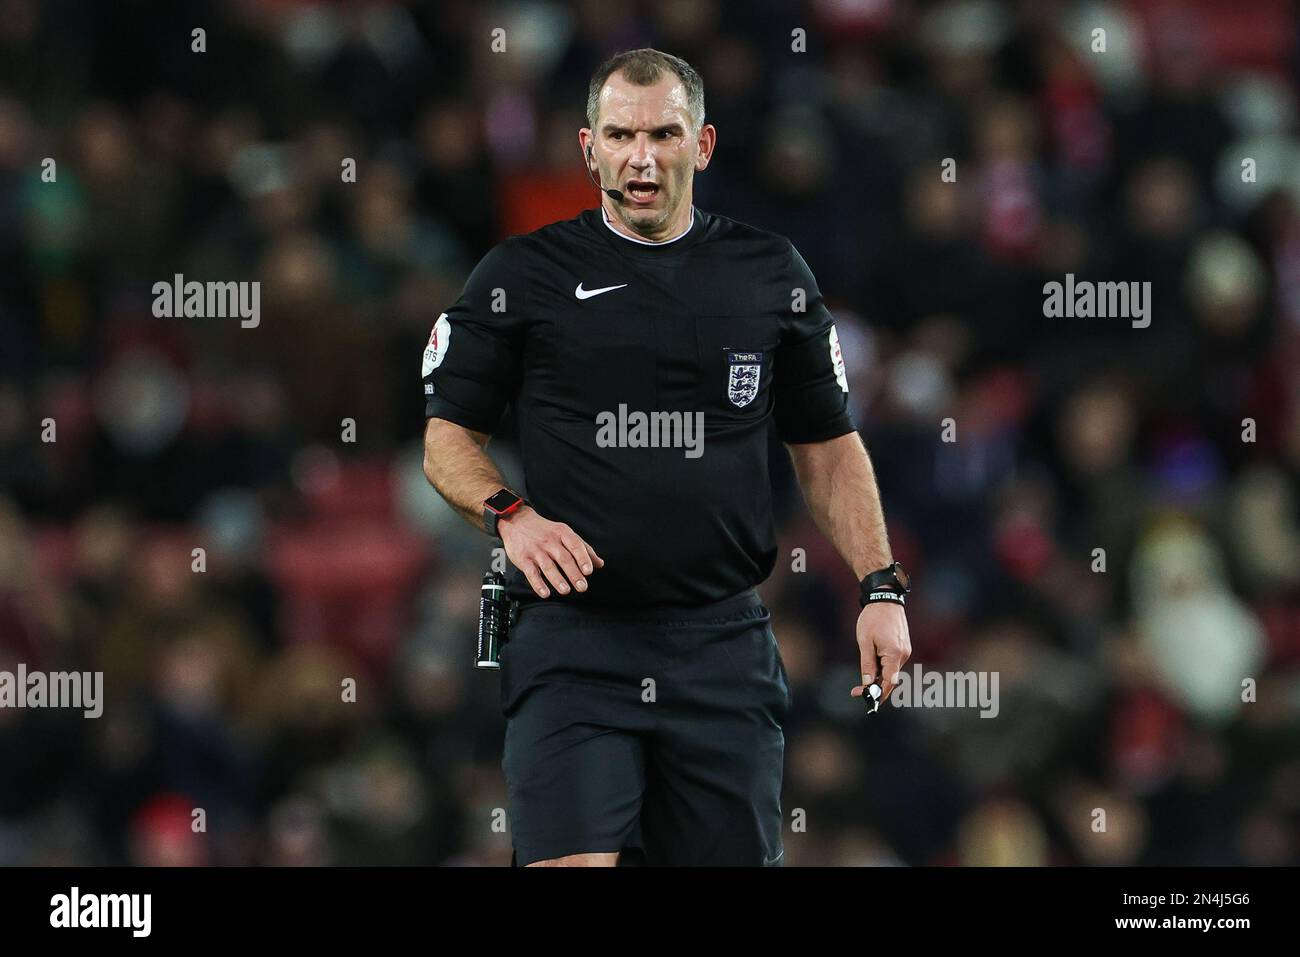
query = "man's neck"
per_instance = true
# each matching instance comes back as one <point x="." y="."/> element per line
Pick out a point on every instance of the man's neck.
<point x="684" y="221"/>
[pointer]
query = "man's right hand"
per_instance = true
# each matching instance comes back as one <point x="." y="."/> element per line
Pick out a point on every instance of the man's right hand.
<point x="547" y="551"/>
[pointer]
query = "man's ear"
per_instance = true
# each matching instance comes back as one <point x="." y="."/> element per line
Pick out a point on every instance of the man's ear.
<point x="708" y="140"/>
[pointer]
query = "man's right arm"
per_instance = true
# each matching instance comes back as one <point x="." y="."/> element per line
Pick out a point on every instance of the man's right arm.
<point x="457" y="466"/>
<point x="472" y="368"/>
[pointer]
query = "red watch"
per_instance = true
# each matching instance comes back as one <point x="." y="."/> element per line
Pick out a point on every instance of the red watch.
<point x="498" y="506"/>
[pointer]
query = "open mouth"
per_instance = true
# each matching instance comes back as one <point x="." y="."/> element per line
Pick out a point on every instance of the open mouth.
<point x="642" y="190"/>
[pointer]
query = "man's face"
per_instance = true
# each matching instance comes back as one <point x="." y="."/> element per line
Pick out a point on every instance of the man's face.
<point x="645" y="144"/>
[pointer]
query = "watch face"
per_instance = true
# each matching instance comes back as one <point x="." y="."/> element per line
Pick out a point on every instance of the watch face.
<point x="902" y="577"/>
<point x="501" y="501"/>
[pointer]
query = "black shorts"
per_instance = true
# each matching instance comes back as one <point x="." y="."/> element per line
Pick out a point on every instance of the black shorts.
<point x="657" y="733"/>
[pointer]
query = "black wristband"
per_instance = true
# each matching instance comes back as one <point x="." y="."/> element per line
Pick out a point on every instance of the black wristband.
<point x="891" y="579"/>
<point x="870" y="597"/>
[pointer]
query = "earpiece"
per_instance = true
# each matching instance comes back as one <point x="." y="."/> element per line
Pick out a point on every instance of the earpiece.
<point x="613" y="194"/>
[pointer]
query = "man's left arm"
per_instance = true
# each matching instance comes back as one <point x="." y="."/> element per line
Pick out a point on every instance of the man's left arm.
<point x="834" y="471"/>
<point x="839" y="486"/>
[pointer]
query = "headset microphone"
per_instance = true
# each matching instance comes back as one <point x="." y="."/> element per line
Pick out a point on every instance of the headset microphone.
<point x="613" y="194"/>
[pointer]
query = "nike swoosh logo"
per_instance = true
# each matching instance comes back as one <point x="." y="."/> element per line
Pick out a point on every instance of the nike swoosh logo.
<point x="588" y="293"/>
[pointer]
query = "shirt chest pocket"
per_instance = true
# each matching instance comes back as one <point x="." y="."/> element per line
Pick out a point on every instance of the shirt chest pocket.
<point x="735" y="358"/>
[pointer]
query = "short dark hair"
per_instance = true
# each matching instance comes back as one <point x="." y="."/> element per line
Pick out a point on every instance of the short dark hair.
<point x="644" y="67"/>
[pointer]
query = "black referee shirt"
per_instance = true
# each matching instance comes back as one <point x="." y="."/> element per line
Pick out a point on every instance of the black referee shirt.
<point x="591" y="334"/>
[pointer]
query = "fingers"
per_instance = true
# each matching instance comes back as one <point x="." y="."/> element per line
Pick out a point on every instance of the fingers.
<point x="884" y="667"/>
<point x="890" y="665"/>
<point x="870" y="668"/>
<point x="558" y="559"/>
<point x="859" y="690"/>
<point x="567" y="557"/>
<point x="535" y="579"/>
<point x="552" y="574"/>
<point x="577" y="553"/>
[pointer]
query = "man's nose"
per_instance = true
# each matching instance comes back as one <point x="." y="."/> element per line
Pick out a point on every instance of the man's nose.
<point x="643" y="152"/>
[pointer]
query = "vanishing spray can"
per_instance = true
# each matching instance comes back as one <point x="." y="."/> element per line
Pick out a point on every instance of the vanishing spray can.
<point x="493" y="621"/>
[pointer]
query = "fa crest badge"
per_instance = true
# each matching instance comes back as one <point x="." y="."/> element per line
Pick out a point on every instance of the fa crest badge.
<point x="742" y="377"/>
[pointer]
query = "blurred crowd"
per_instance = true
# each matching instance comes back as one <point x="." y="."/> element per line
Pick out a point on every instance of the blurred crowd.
<point x="285" y="613"/>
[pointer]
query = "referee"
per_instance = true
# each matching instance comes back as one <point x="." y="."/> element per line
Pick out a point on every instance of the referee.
<point x="645" y="345"/>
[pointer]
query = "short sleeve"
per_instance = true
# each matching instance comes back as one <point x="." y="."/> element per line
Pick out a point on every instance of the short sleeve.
<point x="473" y="360"/>
<point x="812" y="392"/>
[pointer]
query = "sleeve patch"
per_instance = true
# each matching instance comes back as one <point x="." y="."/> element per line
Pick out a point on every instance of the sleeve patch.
<point x="837" y="359"/>
<point x="436" y="350"/>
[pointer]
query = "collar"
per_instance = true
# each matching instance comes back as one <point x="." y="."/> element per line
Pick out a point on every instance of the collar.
<point x="645" y="242"/>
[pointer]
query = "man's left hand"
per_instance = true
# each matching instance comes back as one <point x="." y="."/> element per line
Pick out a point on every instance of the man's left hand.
<point x="883" y="644"/>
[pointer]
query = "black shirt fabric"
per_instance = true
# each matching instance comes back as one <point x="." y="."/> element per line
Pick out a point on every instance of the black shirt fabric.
<point x="725" y="321"/>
